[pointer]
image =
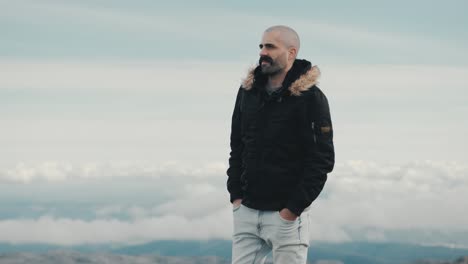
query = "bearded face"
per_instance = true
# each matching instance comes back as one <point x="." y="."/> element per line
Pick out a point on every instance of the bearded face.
<point x="271" y="66"/>
<point x="273" y="54"/>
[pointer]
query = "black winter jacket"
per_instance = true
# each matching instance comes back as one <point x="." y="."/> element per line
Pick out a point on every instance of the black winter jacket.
<point x="281" y="144"/>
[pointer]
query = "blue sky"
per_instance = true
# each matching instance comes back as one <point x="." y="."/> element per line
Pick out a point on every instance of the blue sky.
<point x="121" y="111"/>
<point x="372" y="31"/>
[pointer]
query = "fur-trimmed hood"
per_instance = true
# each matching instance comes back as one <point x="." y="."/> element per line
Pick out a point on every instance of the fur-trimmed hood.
<point x="300" y="78"/>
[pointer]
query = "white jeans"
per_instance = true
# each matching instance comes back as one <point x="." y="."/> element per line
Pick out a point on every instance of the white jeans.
<point x="257" y="233"/>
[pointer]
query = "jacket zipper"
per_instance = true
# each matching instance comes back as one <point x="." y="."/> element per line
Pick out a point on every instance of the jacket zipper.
<point x="313" y="131"/>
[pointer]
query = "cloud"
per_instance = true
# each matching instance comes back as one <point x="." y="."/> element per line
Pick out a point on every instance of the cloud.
<point x="67" y="231"/>
<point x="363" y="81"/>
<point x="146" y="75"/>
<point x="414" y="195"/>
<point x="53" y="171"/>
<point x="137" y="76"/>
<point x="108" y="211"/>
<point x="81" y="110"/>
<point x="377" y="199"/>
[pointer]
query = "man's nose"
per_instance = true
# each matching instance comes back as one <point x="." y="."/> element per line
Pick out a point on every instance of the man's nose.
<point x="263" y="52"/>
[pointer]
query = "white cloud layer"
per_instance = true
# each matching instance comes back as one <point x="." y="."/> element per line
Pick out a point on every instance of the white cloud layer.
<point x="359" y="195"/>
<point x="119" y="76"/>
<point x="104" y="110"/>
<point x="57" y="172"/>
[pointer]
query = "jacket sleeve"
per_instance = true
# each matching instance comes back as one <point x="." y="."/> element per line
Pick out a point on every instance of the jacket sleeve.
<point x="235" y="160"/>
<point x="319" y="157"/>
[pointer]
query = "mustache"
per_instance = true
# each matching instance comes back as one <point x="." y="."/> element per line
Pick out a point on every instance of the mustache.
<point x="266" y="59"/>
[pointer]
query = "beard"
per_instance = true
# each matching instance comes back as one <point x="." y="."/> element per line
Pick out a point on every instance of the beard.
<point x="271" y="67"/>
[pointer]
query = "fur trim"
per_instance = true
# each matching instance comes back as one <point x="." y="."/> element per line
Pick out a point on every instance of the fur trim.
<point x="304" y="83"/>
<point x="247" y="83"/>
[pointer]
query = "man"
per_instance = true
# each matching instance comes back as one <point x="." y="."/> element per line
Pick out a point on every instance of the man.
<point x="281" y="152"/>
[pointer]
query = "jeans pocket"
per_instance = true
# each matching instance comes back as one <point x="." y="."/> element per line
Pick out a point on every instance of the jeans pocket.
<point x="285" y="220"/>
<point x="235" y="209"/>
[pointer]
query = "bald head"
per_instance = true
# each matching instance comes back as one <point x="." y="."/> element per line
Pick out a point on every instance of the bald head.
<point x="287" y="35"/>
<point x="278" y="50"/>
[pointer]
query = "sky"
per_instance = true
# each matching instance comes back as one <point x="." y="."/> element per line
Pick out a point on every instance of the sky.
<point x="115" y="115"/>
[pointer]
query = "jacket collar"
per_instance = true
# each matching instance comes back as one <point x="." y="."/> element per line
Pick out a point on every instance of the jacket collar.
<point x="300" y="78"/>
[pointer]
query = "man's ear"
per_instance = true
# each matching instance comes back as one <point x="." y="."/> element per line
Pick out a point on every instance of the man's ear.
<point x="292" y="53"/>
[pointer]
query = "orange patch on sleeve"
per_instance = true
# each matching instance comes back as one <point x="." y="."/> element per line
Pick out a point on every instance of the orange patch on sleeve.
<point x="326" y="129"/>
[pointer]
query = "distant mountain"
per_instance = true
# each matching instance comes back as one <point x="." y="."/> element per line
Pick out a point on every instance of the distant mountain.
<point x="73" y="257"/>
<point x="220" y="248"/>
<point x="319" y="253"/>
<point x="31" y="248"/>
<point x="349" y="253"/>
<point x="461" y="260"/>
<point x="381" y="253"/>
